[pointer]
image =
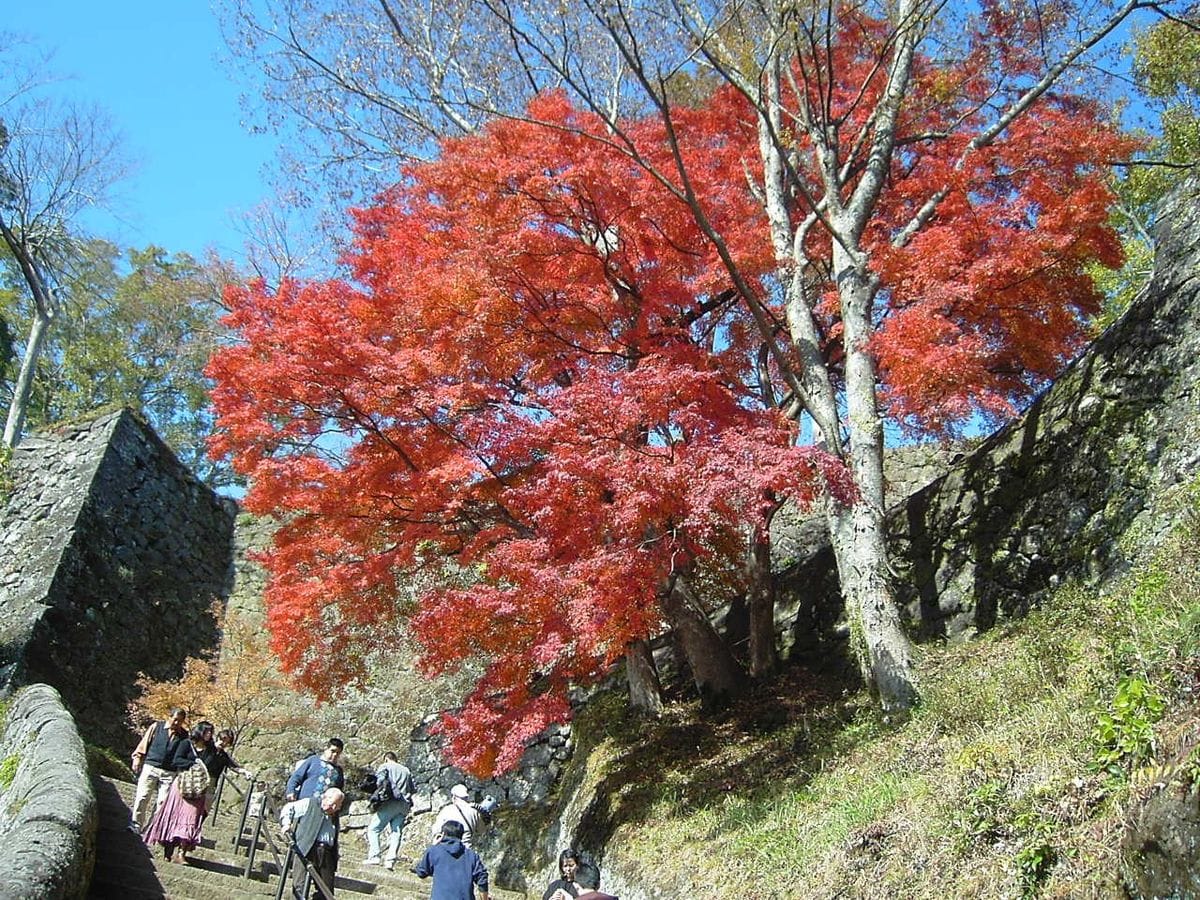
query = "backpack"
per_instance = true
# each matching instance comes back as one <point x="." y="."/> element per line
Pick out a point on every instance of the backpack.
<point x="193" y="781"/>
<point x="384" y="792"/>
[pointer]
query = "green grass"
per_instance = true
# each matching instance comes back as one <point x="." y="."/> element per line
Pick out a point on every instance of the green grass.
<point x="8" y="770"/>
<point x="1011" y="780"/>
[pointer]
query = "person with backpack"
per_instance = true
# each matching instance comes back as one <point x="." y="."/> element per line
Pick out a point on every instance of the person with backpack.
<point x="177" y="822"/>
<point x="391" y="803"/>
<point x="460" y="809"/>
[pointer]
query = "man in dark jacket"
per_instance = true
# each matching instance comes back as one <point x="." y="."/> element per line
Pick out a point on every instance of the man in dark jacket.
<point x="154" y="763"/>
<point x="454" y="867"/>
<point x="312" y="824"/>
<point x="587" y="876"/>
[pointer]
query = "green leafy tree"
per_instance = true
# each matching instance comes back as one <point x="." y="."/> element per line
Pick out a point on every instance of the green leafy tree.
<point x="134" y="328"/>
<point x="1166" y="71"/>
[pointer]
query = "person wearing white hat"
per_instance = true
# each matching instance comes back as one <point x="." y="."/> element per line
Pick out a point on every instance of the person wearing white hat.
<point x="458" y="809"/>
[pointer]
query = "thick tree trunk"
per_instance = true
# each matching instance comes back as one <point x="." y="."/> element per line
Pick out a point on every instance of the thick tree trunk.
<point x="858" y="531"/>
<point x="717" y="675"/>
<point x="883" y="647"/>
<point x="15" y="423"/>
<point x="760" y="601"/>
<point x="645" y="689"/>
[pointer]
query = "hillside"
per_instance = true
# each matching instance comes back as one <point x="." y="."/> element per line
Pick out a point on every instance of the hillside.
<point x="1036" y="748"/>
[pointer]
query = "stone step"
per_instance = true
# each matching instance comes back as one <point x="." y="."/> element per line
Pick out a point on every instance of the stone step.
<point x="126" y="869"/>
<point x="192" y="881"/>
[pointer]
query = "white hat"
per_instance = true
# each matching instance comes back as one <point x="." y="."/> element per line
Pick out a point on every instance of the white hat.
<point x="460" y="791"/>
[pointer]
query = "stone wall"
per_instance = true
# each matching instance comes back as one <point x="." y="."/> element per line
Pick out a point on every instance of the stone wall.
<point x="1049" y="497"/>
<point x="112" y="555"/>
<point x="48" y="814"/>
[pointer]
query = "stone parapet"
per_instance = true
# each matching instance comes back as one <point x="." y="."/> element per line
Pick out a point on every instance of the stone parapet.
<point x="47" y="809"/>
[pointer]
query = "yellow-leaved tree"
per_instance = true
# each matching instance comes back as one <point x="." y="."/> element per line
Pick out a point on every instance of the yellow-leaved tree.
<point x="236" y="686"/>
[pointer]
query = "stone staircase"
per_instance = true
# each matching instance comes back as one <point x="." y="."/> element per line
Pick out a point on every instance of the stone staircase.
<point x="126" y="869"/>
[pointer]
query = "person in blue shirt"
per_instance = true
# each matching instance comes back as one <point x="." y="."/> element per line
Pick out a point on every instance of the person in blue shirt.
<point x="456" y="868"/>
<point x="317" y="774"/>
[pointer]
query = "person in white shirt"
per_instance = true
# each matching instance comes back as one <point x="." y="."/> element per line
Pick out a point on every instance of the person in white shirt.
<point x="459" y="809"/>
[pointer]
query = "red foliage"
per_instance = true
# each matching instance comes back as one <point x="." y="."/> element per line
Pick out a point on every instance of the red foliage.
<point x="535" y="369"/>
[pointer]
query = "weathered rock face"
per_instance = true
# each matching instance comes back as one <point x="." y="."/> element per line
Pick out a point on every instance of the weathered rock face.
<point x="112" y="555"/>
<point x="1162" y="845"/>
<point x="48" y="812"/>
<point x="1049" y="497"/>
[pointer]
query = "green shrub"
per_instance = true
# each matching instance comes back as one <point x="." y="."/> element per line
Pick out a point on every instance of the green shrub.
<point x="1124" y="732"/>
<point x="983" y="817"/>
<point x="1037" y="855"/>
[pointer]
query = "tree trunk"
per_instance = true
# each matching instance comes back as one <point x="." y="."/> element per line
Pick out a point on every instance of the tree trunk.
<point x="717" y="675"/>
<point x="17" y="408"/>
<point x="760" y="601"/>
<point x="645" y="690"/>
<point x="858" y="531"/>
<point x="883" y="647"/>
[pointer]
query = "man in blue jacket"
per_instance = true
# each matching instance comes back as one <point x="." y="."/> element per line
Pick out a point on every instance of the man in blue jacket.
<point x="455" y="868"/>
<point x="317" y="774"/>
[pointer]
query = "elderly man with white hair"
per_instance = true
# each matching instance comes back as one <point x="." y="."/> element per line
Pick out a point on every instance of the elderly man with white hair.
<point x="459" y="809"/>
<point x="312" y="825"/>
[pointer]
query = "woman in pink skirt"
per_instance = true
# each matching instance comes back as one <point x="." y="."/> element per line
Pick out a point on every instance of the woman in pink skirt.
<point x="176" y="824"/>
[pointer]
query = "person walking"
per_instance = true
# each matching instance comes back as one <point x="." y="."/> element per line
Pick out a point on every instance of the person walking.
<point x="153" y="763"/>
<point x="394" y="790"/>
<point x="459" y="809"/>
<point x="217" y="759"/>
<point x="178" y="821"/>
<point x="311" y="823"/>
<point x="456" y="869"/>
<point x="318" y="773"/>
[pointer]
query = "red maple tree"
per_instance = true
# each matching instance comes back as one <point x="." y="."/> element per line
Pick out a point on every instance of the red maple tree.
<point x="539" y="367"/>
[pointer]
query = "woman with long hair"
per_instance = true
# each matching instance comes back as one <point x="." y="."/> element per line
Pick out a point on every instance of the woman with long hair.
<point x="564" y="885"/>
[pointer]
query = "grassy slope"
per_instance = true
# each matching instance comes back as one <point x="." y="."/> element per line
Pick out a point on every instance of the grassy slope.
<point x="999" y="786"/>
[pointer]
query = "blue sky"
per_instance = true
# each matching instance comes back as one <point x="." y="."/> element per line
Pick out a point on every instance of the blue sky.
<point x="156" y="68"/>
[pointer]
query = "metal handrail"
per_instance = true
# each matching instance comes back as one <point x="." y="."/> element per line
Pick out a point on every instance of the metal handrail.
<point x="217" y="794"/>
<point x="267" y="811"/>
<point x="285" y="865"/>
<point x="237" y="835"/>
<point x="310" y="872"/>
<point x="266" y="834"/>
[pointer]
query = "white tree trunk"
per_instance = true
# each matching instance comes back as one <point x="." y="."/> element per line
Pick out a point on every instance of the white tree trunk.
<point x="858" y="531"/>
<point x="15" y="424"/>
<point x="645" y="689"/>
